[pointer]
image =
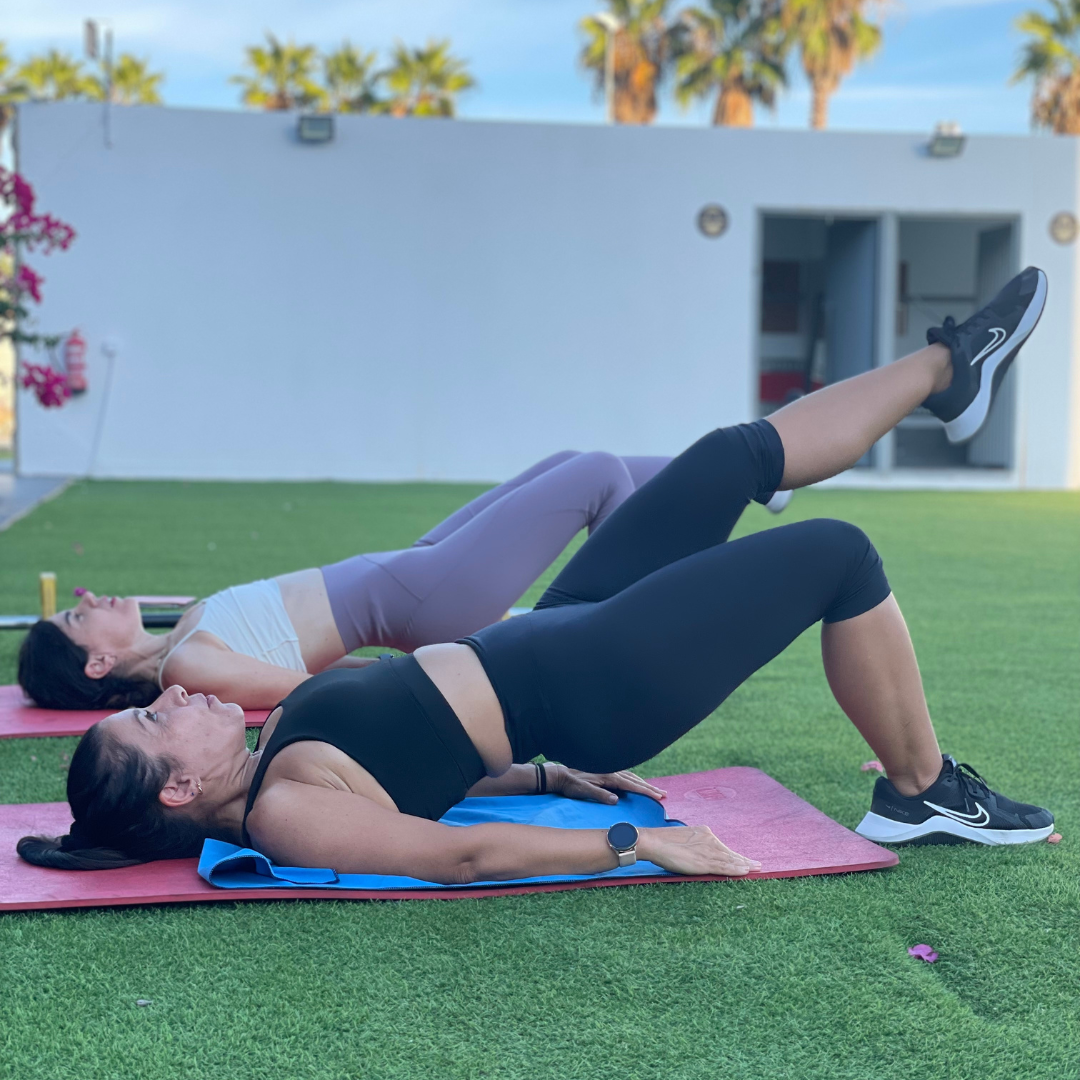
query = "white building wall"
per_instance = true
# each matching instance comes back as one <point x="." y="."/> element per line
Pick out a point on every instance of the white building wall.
<point x="456" y="300"/>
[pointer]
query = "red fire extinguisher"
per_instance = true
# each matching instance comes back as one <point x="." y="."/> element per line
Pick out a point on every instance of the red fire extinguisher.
<point x="75" y="362"/>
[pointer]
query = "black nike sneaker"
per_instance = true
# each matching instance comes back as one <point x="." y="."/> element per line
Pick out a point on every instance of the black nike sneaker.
<point x="982" y="349"/>
<point x="957" y="806"/>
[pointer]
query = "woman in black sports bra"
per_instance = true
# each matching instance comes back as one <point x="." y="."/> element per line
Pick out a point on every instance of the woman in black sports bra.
<point x="651" y="625"/>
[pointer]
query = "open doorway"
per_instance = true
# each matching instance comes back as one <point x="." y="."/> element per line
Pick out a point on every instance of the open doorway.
<point x="952" y="266"/>
<point x="818" y="304"/>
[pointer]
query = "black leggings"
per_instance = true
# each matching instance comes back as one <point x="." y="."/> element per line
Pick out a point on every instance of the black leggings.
<point x="657" y="618"/>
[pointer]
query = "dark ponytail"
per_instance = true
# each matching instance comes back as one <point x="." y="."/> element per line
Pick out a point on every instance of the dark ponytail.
<point x="113" y="790"/>
<point x="52" y="672"/>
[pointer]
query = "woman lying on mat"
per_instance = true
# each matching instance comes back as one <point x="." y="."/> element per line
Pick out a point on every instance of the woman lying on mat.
<point x="650" y="626"/>
<point x="254" y="643"/>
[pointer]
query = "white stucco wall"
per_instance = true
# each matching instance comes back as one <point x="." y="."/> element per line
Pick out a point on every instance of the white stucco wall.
<point x="456" y="300"/>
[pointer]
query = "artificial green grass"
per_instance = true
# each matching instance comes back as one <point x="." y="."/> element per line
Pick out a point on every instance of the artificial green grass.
<point x="804" y="978"/>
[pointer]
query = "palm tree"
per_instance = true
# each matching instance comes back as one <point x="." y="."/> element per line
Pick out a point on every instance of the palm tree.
<point x="12" y="90"/>
<point x="1052" y="59"/>
<point x="132" y="82"/>
<point x="351" y="80"/>
<point x="54" y="76"/>
<point x="833" y="35"/>
<point x="282" y="76"/>
<point x="734" y="49"/>
<point x="640" y="40"/>
<point x="425" y="81"/>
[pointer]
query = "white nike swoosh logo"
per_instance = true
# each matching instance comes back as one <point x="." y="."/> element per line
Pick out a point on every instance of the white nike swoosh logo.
<point x="999" y="337"/>
<point x="975" y="820"/>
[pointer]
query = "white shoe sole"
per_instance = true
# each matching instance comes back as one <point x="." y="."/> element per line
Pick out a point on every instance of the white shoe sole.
<point x="778" y="503"/>
<point x="884" y="830"/>
<point x="966" y="425"/>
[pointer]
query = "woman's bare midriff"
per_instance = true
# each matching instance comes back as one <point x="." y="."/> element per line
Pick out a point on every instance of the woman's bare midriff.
<point x="460" y="678"/>
<point x="308" y="606"/>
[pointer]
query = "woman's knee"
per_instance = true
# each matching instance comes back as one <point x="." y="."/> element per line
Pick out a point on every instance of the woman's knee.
<point x="841" y="535"/>
<point x="861" y="583"/>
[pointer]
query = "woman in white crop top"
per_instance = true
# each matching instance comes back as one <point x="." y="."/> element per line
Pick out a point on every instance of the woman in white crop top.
<point x="253" y="644"/>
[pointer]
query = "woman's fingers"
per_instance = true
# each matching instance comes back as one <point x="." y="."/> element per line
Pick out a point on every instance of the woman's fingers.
<point x="629" y="781"/>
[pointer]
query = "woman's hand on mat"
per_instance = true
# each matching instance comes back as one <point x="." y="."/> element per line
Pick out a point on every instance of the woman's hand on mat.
<point x="692" y="849"/>
<point x="598" y="787"/>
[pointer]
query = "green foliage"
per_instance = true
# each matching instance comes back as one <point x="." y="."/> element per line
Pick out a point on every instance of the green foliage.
<point x="59" y="76"/>
<point x="639" y="36"/>
<point x="55" y="76"/>
<point x="132" y="82"/>
<point x="807" y="979"/>
<point x="424" y="81"/>
<point x="833" y="35"/>
<point x="12" y="88"/>
<point x="734" y="50"/>
<point x="1051" y="58"/>
<point x="351" y="80"/>
<point x="281" y="76"/>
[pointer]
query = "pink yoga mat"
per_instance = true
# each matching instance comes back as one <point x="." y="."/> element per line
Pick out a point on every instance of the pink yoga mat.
<point x="21" y="720"/>
<point x="748" y="810"/>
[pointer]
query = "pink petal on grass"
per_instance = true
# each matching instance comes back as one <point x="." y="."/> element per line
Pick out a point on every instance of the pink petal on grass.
<point x="923" y="952"/>
<point x="872" y="766"/>
<point x="1054" y="838"/>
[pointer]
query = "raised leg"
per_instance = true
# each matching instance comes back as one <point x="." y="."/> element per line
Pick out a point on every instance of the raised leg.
<point x="691" y="505"/>
<point x="828" y="431"/>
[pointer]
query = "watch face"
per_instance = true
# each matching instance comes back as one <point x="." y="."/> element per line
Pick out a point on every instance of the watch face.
<point x="622" y="836"/>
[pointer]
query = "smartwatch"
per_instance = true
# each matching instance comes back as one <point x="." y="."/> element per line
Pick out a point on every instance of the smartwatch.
<point x="622" y="838"/>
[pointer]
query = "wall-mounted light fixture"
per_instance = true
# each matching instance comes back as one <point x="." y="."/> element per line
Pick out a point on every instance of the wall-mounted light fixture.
<point x="947" y="141"/>
<point x="712" y="221"/>
<point x="1064" y="228"/>
<point x="315" y="128"/>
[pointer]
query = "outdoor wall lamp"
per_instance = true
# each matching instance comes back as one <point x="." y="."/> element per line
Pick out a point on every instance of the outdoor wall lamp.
<point x="315" y="128"/>
<point x="712" y="221"/>
<point x="947" y="141"/>
<point x="1064" y="227"/>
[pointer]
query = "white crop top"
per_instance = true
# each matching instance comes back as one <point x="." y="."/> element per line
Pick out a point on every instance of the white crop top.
<point x="250" y="619"/>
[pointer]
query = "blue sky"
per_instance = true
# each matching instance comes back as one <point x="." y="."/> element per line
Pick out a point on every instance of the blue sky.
<point x="941" y="59"/>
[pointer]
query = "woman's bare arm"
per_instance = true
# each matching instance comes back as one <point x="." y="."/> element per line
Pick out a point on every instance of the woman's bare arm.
<point x="298" y="824"/>
<point x="231" y="676"/>
<point x="352" y="662"/>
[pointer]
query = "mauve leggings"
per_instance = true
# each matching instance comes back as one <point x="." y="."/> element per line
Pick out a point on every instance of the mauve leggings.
<point x="471" y="568"/>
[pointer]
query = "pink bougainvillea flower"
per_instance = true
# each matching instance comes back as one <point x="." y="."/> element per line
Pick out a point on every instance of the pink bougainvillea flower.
<point x="923" y="952"/>
<point x="872" y="766"/>
<point x="1054" y="838"/>
<point x="29" y="281"/>
<point x="49" y="386"/>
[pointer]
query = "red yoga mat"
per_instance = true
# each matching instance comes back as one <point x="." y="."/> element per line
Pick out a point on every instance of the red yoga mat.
<point x="749" y="811"/>
<point x="21" y="720"/>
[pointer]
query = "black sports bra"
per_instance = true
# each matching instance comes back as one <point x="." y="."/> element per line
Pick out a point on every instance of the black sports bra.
<point x="390" y="718"/>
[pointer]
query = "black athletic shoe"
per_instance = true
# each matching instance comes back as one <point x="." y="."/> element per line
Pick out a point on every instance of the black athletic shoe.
<point x="982" y="349"/>
<point x="957" y="806"/>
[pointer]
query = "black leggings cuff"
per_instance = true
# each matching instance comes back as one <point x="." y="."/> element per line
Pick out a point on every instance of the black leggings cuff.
<point x="769" y="451"/>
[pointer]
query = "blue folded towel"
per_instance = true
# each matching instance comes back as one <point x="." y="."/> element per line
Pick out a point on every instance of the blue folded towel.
<point x="232" y="867"/>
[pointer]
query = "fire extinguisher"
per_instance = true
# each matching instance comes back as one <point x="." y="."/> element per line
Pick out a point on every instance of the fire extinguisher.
<point x="75" y="362"/>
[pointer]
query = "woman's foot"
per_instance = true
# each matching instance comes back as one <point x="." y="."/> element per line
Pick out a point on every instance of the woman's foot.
<point x="957" y="806"/>
<point x="982" y="349"/>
